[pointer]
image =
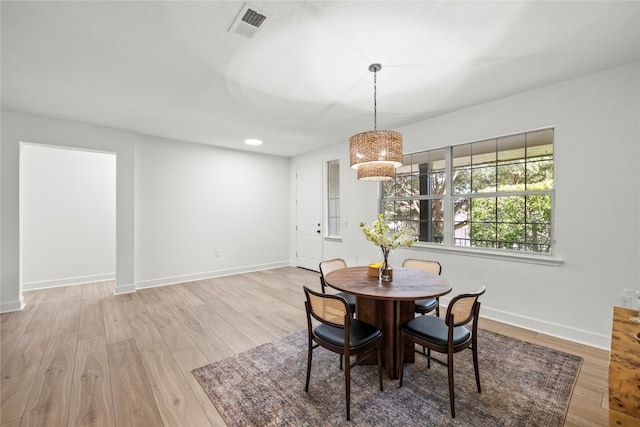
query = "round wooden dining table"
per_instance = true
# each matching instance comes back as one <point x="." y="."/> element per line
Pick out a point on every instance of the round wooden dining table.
<point x="388" y="305"/>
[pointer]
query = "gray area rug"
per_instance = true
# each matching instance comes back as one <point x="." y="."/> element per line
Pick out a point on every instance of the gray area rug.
<point x="523" y="384"/>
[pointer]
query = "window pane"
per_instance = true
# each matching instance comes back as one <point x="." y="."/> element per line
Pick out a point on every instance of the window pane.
<point x="431" y="224"/>
<point x="484" y="152"/>
<point x="538" y="217"/>
<point x="332" y="208"/>
<point x="389" y="187"/>
<point x="511" y="147"/>
<point x="511" y="175"/>
<point x="484" y="209"/>
<point x="399" y="210"/>
<point x="511" y="222"/>
<point x="334" y="190"/>
<point x="432" y="181"/>
<point x="389" y="208"/>
<point x="510" y="209"/>
<point x="401" y="186"/>
<point x="409" y="186"/>
<point x="540" y="159"/>
<point x="510" y="236"/>
<point x="461" y="224"/>
<point x="540" y="174"/>
<point x="539" y="143"/>
<point x="437" y="159"/>
<point x="538" y="209"/>
<point x="417" y="159"/>
<point x="462" y="181"/>
<point x="334" y="227"/>
<point x="538" y="237"/>
<point x="461" y="156"/>
<point x="334" y="170"/>
<point x="483" y="179"/>
<point x="483" y="222"/>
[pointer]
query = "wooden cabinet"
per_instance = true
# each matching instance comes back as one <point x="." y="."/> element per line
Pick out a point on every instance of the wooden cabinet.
<point x="624" y="364"/>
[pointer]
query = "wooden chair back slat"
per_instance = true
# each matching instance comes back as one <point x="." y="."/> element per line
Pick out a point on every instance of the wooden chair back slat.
<point x="424" y="265"/>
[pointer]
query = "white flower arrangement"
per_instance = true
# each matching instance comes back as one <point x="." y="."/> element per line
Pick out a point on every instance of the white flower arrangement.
<point x="380" y="234"/>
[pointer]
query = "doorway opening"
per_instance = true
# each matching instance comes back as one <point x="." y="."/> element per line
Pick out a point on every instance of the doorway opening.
<point x="67" y="216"/>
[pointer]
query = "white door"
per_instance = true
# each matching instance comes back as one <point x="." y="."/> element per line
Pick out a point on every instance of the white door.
<point x="309" y="216"/>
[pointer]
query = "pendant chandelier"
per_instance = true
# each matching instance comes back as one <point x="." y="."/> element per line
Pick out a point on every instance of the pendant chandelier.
<point x="376" y="153"/>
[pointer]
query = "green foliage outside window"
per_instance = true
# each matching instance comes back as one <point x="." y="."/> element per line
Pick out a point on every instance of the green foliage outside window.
<point x="512" y="222"/>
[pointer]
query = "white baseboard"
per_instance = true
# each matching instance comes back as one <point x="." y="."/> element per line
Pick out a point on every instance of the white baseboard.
<point x="7" y="307"/>
<point x="68" y="281"/>
<point x="124" y="289"/>
<point x="553" y="329"/>
<point x="173" y="280"/>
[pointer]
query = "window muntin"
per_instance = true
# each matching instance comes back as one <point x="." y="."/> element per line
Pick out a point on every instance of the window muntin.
<point x="501" y="193"/>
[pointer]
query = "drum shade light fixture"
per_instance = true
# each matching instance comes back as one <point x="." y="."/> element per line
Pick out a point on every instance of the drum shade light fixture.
<point x="376" y="153"/>
<point x="376" y="171"/>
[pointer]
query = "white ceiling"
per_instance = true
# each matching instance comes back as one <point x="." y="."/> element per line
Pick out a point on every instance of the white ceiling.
<point x="173" y="70"/>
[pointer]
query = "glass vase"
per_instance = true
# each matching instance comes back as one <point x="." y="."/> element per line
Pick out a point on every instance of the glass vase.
<point x="386" y="271"/>
<point x="635" y="293"/>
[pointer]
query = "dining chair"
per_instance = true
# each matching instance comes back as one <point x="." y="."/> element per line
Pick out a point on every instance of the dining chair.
<point x="327" y="267"/>
<point x="424" y="306"/>
<point x="340" y="333"/>
<point x="447" y="336"/>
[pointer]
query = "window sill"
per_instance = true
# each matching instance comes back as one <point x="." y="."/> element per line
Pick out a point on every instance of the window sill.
<point x="493" y="254"/>
<point x="333" y="238"/>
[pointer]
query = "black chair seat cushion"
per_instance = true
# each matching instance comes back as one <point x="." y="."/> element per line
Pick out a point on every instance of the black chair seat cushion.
<point x="426" y="304"/>
<point x="360" y="333"/>
<point x="435" y="330"/>
<point x="351" y="299"/>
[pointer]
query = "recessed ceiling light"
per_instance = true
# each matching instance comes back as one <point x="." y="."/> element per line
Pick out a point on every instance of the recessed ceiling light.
<point x="253" y="142"/>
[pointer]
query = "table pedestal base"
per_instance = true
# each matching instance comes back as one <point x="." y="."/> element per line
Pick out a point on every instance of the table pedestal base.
<point x="387" y="315"/>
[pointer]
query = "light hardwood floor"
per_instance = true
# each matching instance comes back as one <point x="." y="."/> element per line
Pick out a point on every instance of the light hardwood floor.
<point x="81" y="356"/>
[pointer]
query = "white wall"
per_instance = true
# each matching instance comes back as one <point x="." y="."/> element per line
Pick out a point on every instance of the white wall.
<point x="203" y="211"/>
<point x="597" y="212"/>
<point x="68" y="216"/>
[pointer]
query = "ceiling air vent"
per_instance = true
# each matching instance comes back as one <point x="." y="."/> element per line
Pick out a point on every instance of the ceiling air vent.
<point x="248" y="22"/>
